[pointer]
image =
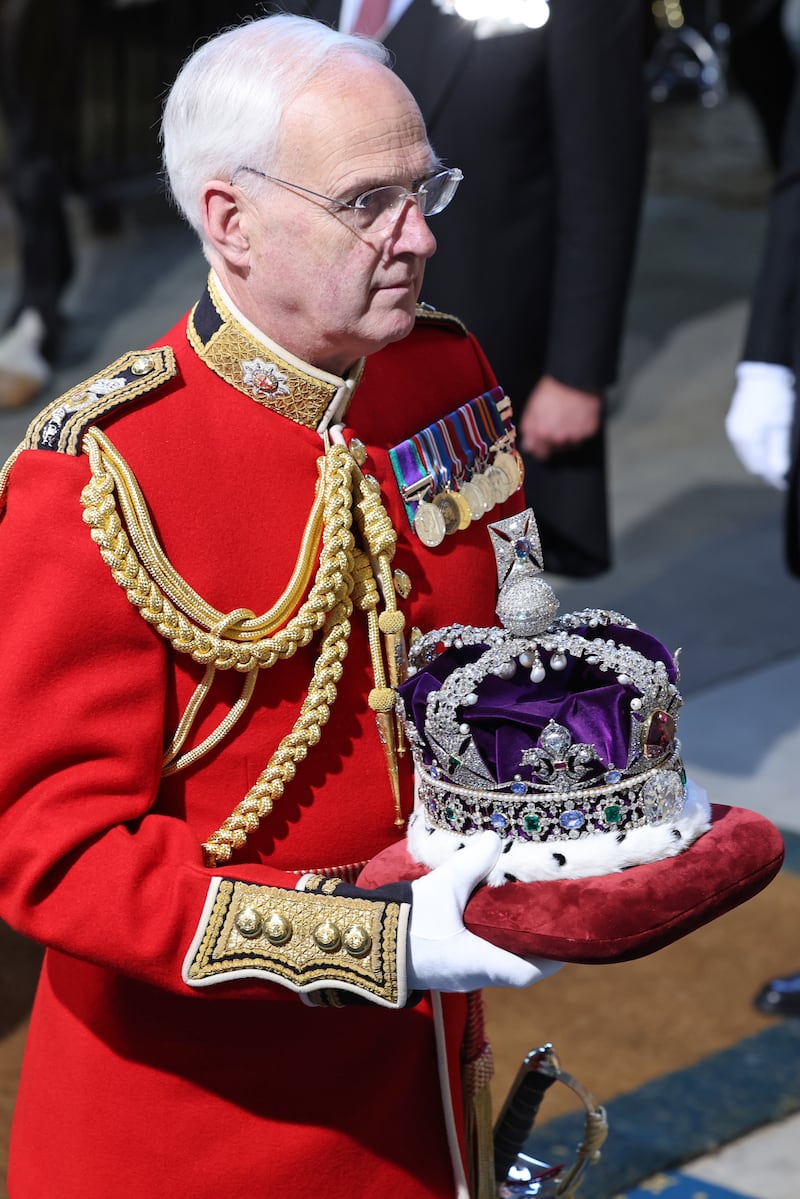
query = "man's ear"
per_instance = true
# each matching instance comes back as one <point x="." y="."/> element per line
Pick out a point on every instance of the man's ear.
<point x="225" y="222"/>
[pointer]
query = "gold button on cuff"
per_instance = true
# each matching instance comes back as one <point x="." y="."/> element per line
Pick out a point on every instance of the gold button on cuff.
<point x="346" y="943"/>
<point x="278" y="930"/>
<point x="357" y="941"/>
<point x="327" y="936"/>
<point x="248" y="922"/>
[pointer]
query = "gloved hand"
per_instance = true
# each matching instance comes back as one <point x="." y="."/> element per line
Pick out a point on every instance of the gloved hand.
<point x="442" y="954"/>
<point x="759" y="419"/>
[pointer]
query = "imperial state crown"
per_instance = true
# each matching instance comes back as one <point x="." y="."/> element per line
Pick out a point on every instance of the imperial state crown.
<point x="557" y="732"/>
<point x="560" y="734"/>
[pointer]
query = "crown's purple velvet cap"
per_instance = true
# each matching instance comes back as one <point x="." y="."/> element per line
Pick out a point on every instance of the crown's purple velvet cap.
<point x="511" y="713"/>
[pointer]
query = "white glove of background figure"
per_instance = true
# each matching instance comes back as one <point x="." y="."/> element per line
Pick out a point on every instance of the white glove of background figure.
<point x="759" y="419"/>
<point x="442" y="954"/>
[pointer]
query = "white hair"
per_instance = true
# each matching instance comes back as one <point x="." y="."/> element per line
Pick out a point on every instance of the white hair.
<point x="225" y="107"/>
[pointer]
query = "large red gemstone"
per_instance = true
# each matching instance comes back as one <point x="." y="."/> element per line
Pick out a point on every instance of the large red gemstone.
<point x="658" y="736"/>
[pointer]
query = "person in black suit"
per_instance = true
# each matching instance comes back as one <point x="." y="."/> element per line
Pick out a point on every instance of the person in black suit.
<point x="763" y="421"/>
<point x="549" y="127"/>
<point x="38" y="107"/>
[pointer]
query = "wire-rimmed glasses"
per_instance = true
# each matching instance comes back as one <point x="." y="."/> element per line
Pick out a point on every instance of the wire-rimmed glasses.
<point x="379" y="207"/>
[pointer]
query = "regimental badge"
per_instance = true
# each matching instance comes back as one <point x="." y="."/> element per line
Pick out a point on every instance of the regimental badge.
<point x="264" y="378"/>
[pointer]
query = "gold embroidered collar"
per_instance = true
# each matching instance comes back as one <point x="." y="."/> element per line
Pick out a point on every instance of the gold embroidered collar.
<point x="263" y="370"/>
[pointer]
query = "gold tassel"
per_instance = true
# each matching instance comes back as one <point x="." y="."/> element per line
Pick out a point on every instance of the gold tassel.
<point x="477" y="1066"/>
<point x="479" y="1144"/>
<point x="386" y="732"/>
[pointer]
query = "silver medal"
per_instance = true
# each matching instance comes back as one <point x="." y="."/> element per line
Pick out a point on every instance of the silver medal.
<point x="429" y="524"/>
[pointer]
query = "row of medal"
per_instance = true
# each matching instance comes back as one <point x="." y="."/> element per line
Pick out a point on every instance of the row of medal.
<point x="459" y="468"/>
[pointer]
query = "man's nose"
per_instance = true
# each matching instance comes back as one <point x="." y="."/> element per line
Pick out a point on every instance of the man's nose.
<point x="411" y="233"/>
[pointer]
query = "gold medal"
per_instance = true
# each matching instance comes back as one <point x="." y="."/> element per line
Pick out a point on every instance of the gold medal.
<point x="446" y="503"/>
<point x="464" y="510"/>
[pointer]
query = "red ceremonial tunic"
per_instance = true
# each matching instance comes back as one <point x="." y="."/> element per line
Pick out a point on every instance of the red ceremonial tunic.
<point x="135" y="1083"/>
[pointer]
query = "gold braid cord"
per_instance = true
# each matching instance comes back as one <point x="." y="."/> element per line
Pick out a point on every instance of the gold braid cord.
<point x="5" y="472"/>
<point x="239" y="640"/>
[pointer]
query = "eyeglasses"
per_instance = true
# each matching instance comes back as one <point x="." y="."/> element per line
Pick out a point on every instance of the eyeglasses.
<point x="380" y="207"/>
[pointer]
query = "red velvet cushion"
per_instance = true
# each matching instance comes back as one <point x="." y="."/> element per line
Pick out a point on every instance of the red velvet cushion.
<point x="618" y="917"/>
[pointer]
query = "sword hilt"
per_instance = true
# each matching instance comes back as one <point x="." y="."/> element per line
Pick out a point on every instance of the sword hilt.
<point x="540" y="1069"/>
<point x="537" y="1073"/>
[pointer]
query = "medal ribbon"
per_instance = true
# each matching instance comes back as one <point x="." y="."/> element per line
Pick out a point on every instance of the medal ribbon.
<point x="452" y="449"/>
<point x="413" y="476"/>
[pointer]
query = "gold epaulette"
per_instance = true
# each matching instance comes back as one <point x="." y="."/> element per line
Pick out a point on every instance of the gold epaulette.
<point x="61" y="425"/>
<point x="327" y="937"/>
<point x="433" y="316"/>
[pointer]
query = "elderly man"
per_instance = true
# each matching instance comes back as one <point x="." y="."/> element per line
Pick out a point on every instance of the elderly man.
<point x="209" y="556"/>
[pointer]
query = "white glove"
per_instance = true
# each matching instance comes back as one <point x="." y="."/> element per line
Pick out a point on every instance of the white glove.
<point x="759" y="419"/>
<point x="442" y="954"/>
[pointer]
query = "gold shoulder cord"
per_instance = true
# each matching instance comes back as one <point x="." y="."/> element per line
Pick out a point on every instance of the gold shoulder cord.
<point x="5" y="472"/>
<point x="122" y="528"/>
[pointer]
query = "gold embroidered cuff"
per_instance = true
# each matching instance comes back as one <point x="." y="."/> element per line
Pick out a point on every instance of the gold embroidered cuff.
<point x="307" y="941"/>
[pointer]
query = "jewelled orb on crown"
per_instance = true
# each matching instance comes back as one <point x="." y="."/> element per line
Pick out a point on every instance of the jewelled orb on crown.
<point x="557" y="732"/>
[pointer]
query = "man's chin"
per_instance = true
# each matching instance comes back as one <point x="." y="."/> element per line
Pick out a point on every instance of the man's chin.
<point x="391" y="324"/>
<point x="400" y="321"/>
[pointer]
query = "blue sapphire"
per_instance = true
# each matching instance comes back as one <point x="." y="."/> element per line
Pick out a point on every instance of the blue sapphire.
<point x="572" y="819"/>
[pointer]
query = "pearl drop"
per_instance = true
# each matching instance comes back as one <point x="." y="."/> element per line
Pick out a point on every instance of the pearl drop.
<point x="538" y="674"/>
<point x="636" y="705"/>
<point x="463" y="728"/>
<point x="505" y="671"/>
<point x="526" y="659"/>
<point x="558" y="661"/>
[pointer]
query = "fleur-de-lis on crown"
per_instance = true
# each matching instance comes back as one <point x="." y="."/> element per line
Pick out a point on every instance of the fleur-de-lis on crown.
<point x="559" y="761"/>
